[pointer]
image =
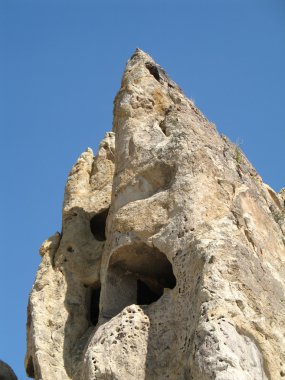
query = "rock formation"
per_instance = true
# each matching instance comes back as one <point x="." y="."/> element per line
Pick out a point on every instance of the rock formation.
<point x="6" y="372"/>
<point x="170" y="263"/>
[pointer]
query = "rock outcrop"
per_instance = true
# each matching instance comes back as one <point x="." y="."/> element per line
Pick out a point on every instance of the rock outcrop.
<point x="170" y="263"/>
<point x="6" y="372"/>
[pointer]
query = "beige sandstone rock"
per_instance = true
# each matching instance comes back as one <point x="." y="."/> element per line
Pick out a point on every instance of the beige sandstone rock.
<point x="6" y="372"/>
<point x="170" y="263"/>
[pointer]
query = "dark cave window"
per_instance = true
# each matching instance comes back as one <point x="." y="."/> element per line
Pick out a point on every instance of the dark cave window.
<point x="146" y="296"/>
<point x="94" y="305"/>
<point x="153" y="70"/>
<point x="98" y="225"/>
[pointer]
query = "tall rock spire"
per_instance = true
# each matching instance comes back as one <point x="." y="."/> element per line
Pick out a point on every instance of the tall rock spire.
<point x="170" y="263"/>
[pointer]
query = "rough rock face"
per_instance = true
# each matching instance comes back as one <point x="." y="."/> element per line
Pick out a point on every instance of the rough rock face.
<point x="170" y="263"/>
<point x="6" y="372"/>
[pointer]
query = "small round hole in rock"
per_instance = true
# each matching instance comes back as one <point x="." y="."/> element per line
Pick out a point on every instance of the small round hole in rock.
<point x="98" y="225"/>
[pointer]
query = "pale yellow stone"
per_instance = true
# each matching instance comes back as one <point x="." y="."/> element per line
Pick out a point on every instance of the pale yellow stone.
<point x="190" y="260"/>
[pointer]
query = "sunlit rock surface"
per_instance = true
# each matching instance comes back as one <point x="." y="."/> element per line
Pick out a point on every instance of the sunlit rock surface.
<point x="170" y="263"/>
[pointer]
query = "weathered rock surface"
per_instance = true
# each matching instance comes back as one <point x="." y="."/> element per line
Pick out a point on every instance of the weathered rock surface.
<point x="170" y="263"/>
<point x="6" y="372"/>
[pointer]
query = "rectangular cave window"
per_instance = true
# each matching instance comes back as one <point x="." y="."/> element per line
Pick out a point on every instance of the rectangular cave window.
<point x="98" y="225"/>
<point x="94" y="305"/>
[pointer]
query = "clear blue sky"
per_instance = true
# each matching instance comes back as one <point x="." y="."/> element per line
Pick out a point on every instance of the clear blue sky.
<point x="60" y="68"/>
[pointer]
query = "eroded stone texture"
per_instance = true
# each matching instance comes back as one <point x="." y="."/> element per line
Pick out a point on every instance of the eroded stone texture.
<point x="190" y="265"/>
<point x="59" y="312"/>
<point x="6" y="372"/>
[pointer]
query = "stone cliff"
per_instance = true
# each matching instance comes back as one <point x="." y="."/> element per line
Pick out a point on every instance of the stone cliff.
<point x="170" y="262"/>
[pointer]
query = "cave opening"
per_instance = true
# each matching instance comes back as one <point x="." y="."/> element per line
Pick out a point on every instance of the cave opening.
<point x="94" y="305"/>
<point x="98" y="225"/>
<point x="138" y="274"/>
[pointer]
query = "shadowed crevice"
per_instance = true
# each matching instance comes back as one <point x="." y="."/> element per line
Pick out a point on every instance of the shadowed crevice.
<point x="145" y="295"/>
<point x="94" y="305"/>
<point x="30" y="367"/>
<point x="153" y="70"/>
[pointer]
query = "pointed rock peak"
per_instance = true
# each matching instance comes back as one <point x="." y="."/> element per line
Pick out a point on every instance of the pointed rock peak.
<point x="146" y="91"/>
<point x="141" y="55"/>
<point x="141" y="61"/>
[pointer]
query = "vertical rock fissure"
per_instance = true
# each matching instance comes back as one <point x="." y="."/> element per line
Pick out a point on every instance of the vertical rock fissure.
<point x="94" y="305"/>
